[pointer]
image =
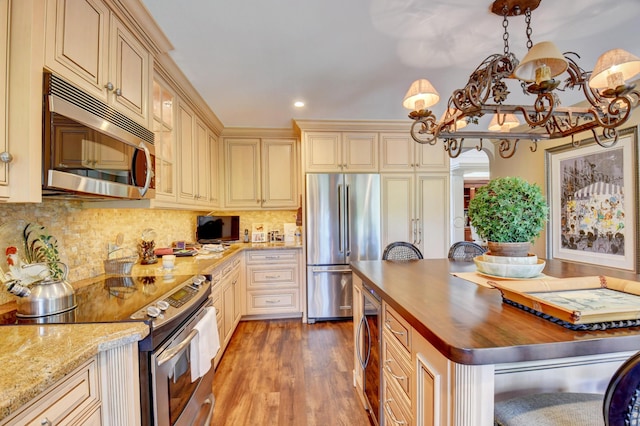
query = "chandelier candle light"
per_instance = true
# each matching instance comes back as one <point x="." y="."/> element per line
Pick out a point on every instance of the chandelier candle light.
<point x="606" y="89"/>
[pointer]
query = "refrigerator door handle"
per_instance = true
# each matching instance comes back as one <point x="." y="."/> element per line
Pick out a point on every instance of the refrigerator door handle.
<point x="347" y="221"/>
<point x="340" y="220"/>
<point x="320" y="270"/>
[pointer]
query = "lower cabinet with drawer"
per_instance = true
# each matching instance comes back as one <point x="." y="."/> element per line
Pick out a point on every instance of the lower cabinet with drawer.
<point x="273" y="283"/>
<point x="397" y="371"/>
<point x="73" y="401"/>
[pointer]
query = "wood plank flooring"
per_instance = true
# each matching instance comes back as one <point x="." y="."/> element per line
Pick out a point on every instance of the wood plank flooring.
<point x="284" y="372"/>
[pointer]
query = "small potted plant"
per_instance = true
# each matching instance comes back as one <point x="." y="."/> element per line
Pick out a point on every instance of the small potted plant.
<point x="509" y="213"/>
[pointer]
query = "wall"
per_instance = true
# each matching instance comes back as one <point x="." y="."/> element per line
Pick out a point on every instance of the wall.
<point x="535" y="169"/>
<point x="83" y="234"/>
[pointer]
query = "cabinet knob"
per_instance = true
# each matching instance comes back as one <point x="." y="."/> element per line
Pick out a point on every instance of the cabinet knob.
<point x="45" y="422"/>
<point x="118" y="92"/>
<point x="109" y="86"/>
<point x="6" y="157"/>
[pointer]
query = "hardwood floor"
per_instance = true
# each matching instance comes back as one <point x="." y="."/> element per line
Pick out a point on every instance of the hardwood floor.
<point x="284" y="372"/>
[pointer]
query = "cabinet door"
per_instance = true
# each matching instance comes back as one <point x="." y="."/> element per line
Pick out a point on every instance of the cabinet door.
<point x="431" y="158"/>
<point x="397" y="152"/>
<point x="4" y="61"/>
<point x="163" y="129"/>
<point x="360" y="152"/>
<point x="214" y="166"/>
<point x="323" y="151"/>
<point x="237" y="298"/>
<point x="398" y="218"/>
<point x="203" y="167"/>
<point x="76" y="45"/>
<point x="242" y="173"/>
<point x="186" y="152"/>
<point x="130" y="74"/>
<point x="279" y="173"/>
<point x="433" y="215"/>
<point x="228" y="302"/>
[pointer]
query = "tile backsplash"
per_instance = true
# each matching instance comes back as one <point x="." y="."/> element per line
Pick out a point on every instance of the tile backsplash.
<point x="83" y="234"/>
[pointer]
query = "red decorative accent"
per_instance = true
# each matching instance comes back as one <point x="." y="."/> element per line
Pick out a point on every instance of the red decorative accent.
<point x="603" y="281"/>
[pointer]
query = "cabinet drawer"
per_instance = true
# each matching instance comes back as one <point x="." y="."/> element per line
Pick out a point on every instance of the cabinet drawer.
<point x="216" y="277"/>
<point x="272" y="276"/>
<point x="397" y="365"/>
<point x="398" y="327"/>
<point x="65" y="402"/>
<point x="271" y="256"/>
<point x="394" y="406"/>
<point x="272" y="302"/>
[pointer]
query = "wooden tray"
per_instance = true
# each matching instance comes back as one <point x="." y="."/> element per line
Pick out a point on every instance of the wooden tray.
<point x="580" y="300"/>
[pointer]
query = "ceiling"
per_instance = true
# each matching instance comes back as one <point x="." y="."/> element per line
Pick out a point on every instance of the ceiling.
<point x="355" y="59"/>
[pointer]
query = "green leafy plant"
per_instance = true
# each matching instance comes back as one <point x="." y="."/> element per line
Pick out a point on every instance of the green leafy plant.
<point x="508" y="210"/>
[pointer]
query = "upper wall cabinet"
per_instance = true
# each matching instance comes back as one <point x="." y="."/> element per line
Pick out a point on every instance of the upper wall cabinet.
<point x="165" y="141"/>
<point x="400" y="153"/>
<point x="261" y="173"/>
<point x="89" y="46"/>
<point x="348" y="152"/>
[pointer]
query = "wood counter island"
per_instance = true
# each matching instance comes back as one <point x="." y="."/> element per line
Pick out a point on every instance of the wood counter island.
<point x="467" y="348"/>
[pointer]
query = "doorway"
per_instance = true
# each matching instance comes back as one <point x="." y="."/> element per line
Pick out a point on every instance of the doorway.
<point x="469" y="171"/>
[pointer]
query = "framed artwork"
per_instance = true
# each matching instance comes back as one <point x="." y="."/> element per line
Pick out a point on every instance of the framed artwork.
<point x="593" y="194"/>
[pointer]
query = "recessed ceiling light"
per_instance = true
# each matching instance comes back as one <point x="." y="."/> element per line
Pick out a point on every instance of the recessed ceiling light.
<point x="298" y="104"/>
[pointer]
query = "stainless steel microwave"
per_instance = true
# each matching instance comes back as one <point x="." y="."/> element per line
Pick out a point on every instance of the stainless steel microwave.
<point x="90" y="149"/>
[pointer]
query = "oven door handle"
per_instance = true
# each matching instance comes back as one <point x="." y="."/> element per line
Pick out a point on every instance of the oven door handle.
<point x="169" y="354"/>
<point x="209" y="401"/>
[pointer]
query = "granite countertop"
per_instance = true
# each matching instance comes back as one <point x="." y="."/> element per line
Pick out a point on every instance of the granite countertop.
<point x="34" y="357"/>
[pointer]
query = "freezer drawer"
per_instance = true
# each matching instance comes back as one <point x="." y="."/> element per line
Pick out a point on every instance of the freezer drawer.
<point x="329" y="293"/>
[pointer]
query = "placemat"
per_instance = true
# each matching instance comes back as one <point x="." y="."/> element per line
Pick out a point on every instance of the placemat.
<point x="484" y="280"/>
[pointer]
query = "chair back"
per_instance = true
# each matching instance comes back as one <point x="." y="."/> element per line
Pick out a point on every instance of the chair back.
<point x="622" y="398"/>
<point x="401" y="250"/>
<point x="465" y="250"/>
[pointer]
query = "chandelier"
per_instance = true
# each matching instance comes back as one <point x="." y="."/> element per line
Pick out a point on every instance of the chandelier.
<point x="609" y="97"/>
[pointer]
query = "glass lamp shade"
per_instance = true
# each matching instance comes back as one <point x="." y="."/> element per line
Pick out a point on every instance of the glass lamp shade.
<point x="420" y="95"/>
<point x="541" y="56"/>
<point x="506" y="122"/>
<point x="613" y="68"/>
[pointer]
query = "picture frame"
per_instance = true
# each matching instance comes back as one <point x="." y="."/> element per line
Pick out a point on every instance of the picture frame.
<point x="592" y="194"/>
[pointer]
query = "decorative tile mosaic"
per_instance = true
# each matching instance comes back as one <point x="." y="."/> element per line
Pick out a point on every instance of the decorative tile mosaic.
<point x="84" y="234"/>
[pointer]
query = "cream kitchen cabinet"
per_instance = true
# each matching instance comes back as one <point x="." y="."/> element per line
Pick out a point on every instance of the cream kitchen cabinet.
<point x="231" y="298"/>
<point x="90" y="47"/>
<point x="348" y="152"/>
<point x="400" y="153"/>
<point x="216" y="301"/>
<point x="5" y="155"/>
<point x="261" y="173"/>
<point x="415" y="208"/>
<point x="194" y="156"/>
<point x="164" y="100"/>
<point x="73" y="401"/>
<point x="273" y="280"/>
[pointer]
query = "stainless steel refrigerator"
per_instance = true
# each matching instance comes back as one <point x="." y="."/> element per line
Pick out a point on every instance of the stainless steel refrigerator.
<point x="343" y="225"/>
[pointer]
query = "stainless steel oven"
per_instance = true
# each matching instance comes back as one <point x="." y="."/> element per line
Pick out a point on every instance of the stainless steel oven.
<point x="169" y="396"/>
<point x="179" y="400"/>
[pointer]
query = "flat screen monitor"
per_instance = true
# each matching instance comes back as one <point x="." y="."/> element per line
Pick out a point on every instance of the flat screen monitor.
<point x="218" y="229"/>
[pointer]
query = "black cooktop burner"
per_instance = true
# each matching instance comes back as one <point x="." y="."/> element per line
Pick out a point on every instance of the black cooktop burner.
<point x="112" y="299"/>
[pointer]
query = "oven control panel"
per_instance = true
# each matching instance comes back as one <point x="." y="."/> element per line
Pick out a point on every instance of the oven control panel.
<point x="174" y="302"/>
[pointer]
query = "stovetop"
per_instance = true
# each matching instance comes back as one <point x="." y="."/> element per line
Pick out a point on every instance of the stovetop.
<point x="115" y="299"/>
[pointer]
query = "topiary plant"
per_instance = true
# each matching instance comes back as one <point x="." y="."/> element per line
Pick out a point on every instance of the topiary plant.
<point x="508" y="210"/>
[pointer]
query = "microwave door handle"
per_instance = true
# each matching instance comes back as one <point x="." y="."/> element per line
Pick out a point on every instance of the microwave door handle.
<point x="149" y="174"/>
<point x="176" y="350"/>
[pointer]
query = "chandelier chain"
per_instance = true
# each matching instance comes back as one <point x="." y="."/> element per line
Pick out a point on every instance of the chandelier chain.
<point x="505" y="25"/>
<point x="527" y="19"/>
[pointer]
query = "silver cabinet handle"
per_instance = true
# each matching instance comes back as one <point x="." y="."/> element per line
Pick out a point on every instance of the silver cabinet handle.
<point x="393" y="418"/>
<point x="272" y="277"/>
<point x="118" y="92"/>
<point x="390" y="371"/>
<point x="387" y="324"/>
<point x="109" y="86"/>
<point x="6" y="157"/>
<point x="272" y="301"/>
<point x="45" y="422"/>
